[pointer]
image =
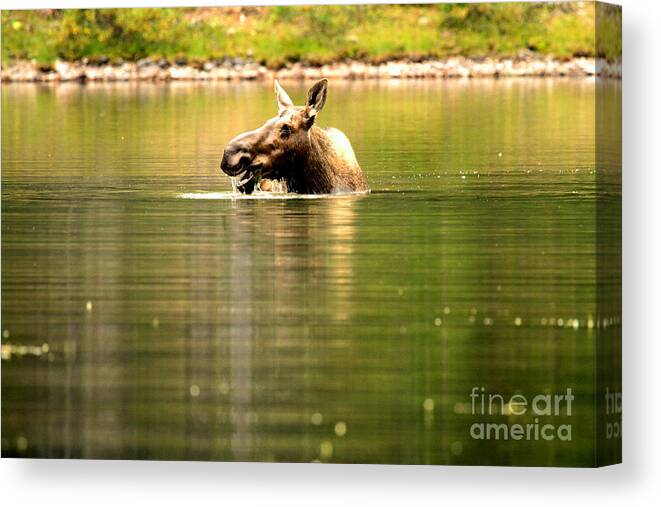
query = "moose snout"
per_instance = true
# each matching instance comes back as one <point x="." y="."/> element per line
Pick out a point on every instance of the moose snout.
<point x="235" y="159"/>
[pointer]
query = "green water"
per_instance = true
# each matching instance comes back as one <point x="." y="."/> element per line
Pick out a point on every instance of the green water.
<point x="146" y="315"/>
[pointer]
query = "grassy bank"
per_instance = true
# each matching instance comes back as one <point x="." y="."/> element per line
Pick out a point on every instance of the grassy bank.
<point x="276" y="36"/>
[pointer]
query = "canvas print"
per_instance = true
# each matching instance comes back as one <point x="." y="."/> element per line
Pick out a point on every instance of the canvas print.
<point x="383" y="234"/>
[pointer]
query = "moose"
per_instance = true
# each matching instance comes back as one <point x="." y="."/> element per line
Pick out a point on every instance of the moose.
<point x="289" y="153"/>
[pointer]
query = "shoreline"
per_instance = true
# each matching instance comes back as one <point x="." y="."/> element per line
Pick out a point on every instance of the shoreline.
<point x="240" y="70"/>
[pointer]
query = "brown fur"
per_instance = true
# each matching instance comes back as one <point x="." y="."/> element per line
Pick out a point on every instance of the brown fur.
<point x="290" y="152"/>
<point x="327" y="170"/>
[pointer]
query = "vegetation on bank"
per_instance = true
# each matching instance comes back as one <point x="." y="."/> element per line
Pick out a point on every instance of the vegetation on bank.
<point x="276" y="36"/>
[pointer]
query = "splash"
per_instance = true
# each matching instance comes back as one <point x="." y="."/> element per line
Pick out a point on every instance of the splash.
<point x="235" y="184"/>
<point x="277" y="191"/>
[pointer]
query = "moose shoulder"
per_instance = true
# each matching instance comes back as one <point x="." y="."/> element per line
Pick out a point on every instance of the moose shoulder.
<point x="289" y="152"/>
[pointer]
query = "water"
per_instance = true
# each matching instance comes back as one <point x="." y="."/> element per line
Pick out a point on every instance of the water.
<point x="147" y="312"/>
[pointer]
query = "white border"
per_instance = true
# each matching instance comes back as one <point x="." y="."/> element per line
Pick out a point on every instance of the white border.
<point x="636" y="482"/>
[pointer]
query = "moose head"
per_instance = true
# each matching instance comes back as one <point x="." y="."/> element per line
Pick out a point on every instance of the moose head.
<point x="276" y="149"/>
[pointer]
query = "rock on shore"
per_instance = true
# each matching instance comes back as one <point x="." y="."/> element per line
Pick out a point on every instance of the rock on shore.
<point x="235" y="70"/>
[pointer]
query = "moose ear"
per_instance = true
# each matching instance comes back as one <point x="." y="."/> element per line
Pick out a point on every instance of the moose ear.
<point x="317" y="97"/>
<point x="281" y="96"/>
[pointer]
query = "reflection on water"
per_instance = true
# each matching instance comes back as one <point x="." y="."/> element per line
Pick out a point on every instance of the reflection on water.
<point x="149" y="313"/>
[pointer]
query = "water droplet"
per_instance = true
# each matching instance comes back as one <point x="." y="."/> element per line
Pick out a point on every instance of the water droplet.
<point x="326" y="449"/>
<point x="446" y="310"/>
<point x="500" y="153"/>
<point x="460" y="408"/>
<point x="316" y="418"/>
<point x="428" y="405"/>
<point x="340" y="428"/>
<point x="88" y="306"/>
<point x="456" y="448"/>
<point x="21" y="443"/>
<point x="518" y="321"/>
<point x="438" y="321"/>
<point x="194" y="391"/>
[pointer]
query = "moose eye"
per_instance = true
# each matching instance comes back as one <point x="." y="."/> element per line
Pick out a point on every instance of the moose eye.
<point x="285" y="131"/>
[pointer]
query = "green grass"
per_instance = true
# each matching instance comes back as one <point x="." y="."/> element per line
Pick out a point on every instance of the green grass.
<point x="278" y="35"/>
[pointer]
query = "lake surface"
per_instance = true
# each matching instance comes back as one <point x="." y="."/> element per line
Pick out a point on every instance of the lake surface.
<point x="147" y="313"/>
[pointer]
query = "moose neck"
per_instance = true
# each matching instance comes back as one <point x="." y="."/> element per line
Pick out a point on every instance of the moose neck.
<point x="319" y="163"/>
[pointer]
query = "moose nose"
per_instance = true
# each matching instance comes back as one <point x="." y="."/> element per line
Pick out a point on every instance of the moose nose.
<point x="235" y="159"/>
